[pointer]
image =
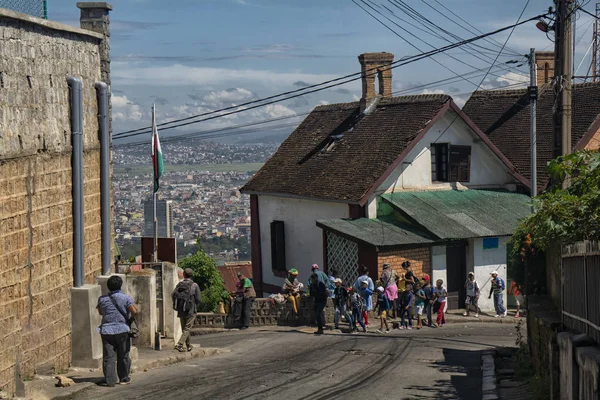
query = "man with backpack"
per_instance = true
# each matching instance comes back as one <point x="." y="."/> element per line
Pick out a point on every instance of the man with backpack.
<point x="497" y="290"/>
<point x="186" y="298"/>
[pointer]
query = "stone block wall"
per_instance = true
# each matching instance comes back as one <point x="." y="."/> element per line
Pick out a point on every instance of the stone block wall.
<point x="36" y="232"/>
<point x="419" y="257"/>
<point x="265" y="313"/>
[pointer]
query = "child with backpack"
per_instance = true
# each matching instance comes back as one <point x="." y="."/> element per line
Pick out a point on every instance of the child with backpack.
<point x="383" y="306"/>
<point x="355" y="303"/>
<point x="406" y="301"/>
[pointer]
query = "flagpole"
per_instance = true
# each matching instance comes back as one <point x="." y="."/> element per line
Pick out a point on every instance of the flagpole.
<point x="155" y="194"/>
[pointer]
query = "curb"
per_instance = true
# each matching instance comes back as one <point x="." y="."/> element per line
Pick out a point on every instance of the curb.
<point x="488" y="376"/>
<point x="143" y="366"/>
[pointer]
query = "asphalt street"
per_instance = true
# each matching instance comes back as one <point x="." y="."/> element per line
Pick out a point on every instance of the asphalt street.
<point x="289" y="363"/>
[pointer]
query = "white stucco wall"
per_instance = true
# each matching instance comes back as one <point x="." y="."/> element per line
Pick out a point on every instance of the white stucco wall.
<point x="438" y="264"/>
<point x="303" y="239"/>
<point x="486" y="261"/>
<point x="487" y="170"/>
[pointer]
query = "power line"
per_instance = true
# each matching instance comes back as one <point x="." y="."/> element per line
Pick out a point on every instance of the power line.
<point x="416" y="37"/>
<point x="410" y="11"/>
<point x="348" y="78"/>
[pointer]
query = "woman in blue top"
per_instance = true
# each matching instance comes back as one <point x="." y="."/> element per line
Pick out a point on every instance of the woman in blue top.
<point x="358" y="287"/>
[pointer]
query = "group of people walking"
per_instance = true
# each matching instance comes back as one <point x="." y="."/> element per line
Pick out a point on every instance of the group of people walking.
<point x="404" y="296"/>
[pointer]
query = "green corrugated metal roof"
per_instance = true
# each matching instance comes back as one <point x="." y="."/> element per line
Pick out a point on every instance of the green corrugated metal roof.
<point x="461" y="214"/>
<point x="372" y="231"/>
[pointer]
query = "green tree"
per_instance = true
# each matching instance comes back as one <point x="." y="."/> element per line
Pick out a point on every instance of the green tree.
<point x="208" y="278"/>
<point x="563" y="215"/>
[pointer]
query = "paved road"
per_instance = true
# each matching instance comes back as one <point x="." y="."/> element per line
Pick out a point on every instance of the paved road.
<point x="286" y="363"/>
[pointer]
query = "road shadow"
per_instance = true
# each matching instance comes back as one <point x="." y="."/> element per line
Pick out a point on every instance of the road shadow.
<point x="464" y="384"/>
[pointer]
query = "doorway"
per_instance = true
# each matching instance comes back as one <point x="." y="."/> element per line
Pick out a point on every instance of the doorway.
<point x="456" y="273"/>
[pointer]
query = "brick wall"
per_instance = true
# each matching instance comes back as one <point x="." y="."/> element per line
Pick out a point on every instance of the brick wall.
<point x="36" y="235"/>
<point x="420" y="260"/>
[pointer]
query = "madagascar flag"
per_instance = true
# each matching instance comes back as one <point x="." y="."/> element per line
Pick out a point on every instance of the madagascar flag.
<point x="157" y="158"/>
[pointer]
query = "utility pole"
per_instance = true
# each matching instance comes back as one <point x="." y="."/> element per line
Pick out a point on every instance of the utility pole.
<point x="562" y="82"/>
<point x="533" y="95"/>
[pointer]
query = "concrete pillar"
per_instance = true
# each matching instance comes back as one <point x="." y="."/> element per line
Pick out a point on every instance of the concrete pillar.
<point x="102" y="279"/>
<point x="568" y="342"/>
<point x="86" y="343"/>
<point x="95" y="17"/>
<point x="588" y="360"/>
<point x="171" y="322"/>
<point x="141" y="285"/>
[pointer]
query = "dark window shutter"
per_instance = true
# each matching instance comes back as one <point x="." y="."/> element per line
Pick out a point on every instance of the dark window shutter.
<point x="460" y="163"/>
<point x="278" y="246"/>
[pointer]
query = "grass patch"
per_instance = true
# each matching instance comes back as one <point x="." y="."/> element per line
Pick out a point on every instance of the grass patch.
<point x="139" y="169"/>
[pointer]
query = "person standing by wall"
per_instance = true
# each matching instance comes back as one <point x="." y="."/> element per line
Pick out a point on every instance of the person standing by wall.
<point x="340" y="302"/>
<point x="186" y="298"/>
<point x="357" y="305"/>
<point x="388" y="281"/>
<point x="116" y="309"/>
<point x="429" y="299"/>
<point x="441" y="297"/>
<point x="359" y="288"/>
<point x="319" y="292"/>
<point x="406" y="302"/>
<point x="497" y="290"/>
<point x="383" y="306"/>
<point x="249" y="296"/>
<point x="472" y="299"/>
<point x="516" y="290"/>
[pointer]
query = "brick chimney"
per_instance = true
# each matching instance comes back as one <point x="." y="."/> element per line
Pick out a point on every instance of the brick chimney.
<point x="544" y="61"/>
<point x="375" y="64"/>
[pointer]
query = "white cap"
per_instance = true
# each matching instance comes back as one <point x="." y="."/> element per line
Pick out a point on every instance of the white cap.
<point x="337" y="280"/>
<point x="494" y="273"/>
<point x="367" y="282"/>
<point x="380" y="289"/>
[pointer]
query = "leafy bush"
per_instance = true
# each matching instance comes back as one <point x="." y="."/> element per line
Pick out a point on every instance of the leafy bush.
<point x="208" y="278"/>
<point x="563" y="215"/>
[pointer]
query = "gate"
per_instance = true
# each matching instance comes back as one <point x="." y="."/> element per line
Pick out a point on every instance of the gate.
<point x="581" y="288"/>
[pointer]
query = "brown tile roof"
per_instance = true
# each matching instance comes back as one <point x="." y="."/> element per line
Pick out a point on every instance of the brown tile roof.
<point x="348" y="170"/>
<point x="504" y="116"/>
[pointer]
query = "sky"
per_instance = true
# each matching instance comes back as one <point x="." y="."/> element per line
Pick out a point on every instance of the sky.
<point x="195" y="56"/>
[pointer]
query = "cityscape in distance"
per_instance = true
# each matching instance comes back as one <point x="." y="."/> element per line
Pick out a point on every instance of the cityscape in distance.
<point x="201" y="183"/>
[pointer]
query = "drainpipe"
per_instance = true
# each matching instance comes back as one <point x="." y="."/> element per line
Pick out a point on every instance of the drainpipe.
<point x="77" y="177"/>
<point x="102" y="96"/>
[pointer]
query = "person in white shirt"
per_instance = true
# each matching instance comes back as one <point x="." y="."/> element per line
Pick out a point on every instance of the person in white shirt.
<point x="472" y="288"/>
<point x="441" y="295"/>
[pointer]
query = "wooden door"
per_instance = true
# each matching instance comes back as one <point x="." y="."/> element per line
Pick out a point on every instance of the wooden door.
<point x="456" y="272"/>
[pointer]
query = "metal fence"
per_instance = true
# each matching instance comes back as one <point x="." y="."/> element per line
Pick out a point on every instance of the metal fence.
<point x="581" y="288"/>
<point x="37" y="8"/>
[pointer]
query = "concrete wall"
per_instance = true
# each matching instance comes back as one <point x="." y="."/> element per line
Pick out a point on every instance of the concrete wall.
<point x="438" y="264"/>
<point x="415" y="172"/>
<point x="484" y="262"/>
<point x="36" y="256"/>
<point x="303" y="239"/>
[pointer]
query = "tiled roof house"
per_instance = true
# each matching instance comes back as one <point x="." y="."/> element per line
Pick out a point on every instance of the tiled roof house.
<point x="384" y="179"/>
<point x="504" y="116"/>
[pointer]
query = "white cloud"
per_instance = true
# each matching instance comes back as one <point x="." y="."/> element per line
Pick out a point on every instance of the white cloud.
<point x="323" y="102"/>
<point x="125" y="110"/>
<point x="126" y="73"/>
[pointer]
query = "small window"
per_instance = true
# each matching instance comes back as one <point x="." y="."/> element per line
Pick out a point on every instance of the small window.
<point x="439" y="162"/>
<point x="460" y="163"/>
<point x="278" y="246"/>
